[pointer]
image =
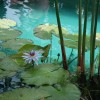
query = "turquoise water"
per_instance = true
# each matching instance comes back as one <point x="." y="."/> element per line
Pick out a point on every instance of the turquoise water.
<point x="29" y="16"/>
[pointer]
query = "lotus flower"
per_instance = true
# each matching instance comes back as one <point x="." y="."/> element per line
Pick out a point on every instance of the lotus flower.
<point x="33" y="56"/>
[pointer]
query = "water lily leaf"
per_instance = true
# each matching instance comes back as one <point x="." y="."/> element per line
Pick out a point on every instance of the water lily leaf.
<point x="68" y="92"/>
<point x="6" y="34"/>
<point x="27" y="48"/>
<point x="6" y="74"/>
<point x="2" y="55"/>
<point x="7" y="23"/>
<point x="74" y="44"/>
<point x="16" y="44"/>
<point x="97" y="43"/>
<point x="45" y="31"/>
<point x="8" y="64"/>
<point x="44" y="74"/>
<point x="98" y="36"/>
<point x="71" y="44"/>
<point x="24" y="94"/>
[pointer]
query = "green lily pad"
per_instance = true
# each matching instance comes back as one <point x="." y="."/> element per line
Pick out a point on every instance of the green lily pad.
<point x="98" y="36"/>
<point x="6" y="34"/>
<point x="71" y="44"/>
<point x="74" y="44"/>
<point x="45" y="31"/>
<point x="7" y="23"/>
<point x="27" y="48"/>
<point x="2" y="55"/>
<point x="97" y="43"/>
<point x="24" y="94"/>
<point x="68" y="92"/>
<point x="44" y="74"/>
<point x="9" y="65"/>
<point x="16" y="44"/>
<point x="4" y="74"/>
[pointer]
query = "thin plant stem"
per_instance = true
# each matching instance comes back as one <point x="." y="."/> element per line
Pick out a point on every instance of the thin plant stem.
<point x="94" y="37"/>
<point x="91" y="34"/>
<point x="84" y="37"/>
<point x="99" y="65"/>
<point x="65" y="66"/>
<point x="51" y="48"/>
<point x="80" y="33"/>
<point x="71" y="54"/>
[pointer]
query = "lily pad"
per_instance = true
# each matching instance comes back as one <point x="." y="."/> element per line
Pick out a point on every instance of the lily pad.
<point x="2" y="55"/>
<point x="6" y="74"/>
<point x="7" y="23"/>
<point x="68" y="92"/>
<point x="16" y="44"/>
<point x="74" y="44"/>
<point x="8" y="65"/>
<point x="71" y="44"/>
<point x="24" y="94"/>
<point x="6" y="34"/>
<point x="45" y="31"/>
<point x="44" y="74"/>
<point x="27" y="48"/>
<point x="98" y="36"/>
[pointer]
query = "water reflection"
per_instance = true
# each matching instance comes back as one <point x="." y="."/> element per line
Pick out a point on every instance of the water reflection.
<point x="2" y="9"/>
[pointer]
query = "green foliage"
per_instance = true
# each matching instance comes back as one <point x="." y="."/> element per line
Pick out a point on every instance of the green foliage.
<point x="7" y="34"/>
<point x="44" y="74"/>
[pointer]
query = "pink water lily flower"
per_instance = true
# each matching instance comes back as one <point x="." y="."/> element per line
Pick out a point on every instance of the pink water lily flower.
<point x="33" y="56"/>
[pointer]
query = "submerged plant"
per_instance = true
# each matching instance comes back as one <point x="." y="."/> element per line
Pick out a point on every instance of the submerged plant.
<point x="33" y="56"/>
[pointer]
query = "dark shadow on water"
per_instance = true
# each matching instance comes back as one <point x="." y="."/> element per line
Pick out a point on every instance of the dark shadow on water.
<point x="2" y="9"/>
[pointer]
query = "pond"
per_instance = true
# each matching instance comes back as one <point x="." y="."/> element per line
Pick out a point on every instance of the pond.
<point x="29" y="15"/>
<point x="30" y="52"/>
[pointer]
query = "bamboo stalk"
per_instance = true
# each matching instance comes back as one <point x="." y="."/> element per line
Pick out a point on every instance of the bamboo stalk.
<point x="99" y="66"/>
<point x="93" y="39"/>
<point x="80" y="33"/>
<point x="65" y="66"/>
<point x="84" y="37"/>
<point x="91" y="33"/>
